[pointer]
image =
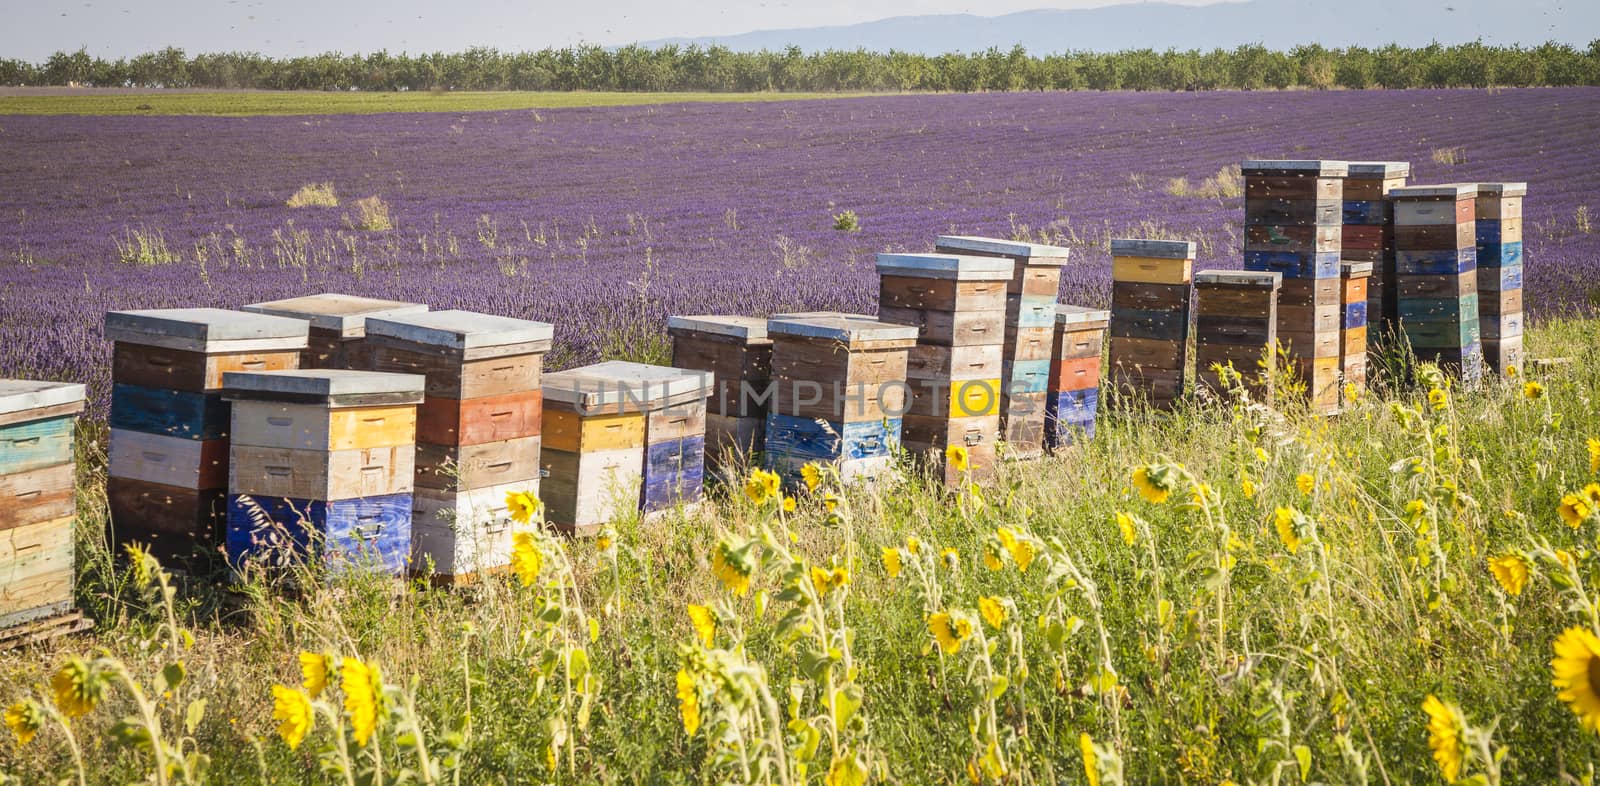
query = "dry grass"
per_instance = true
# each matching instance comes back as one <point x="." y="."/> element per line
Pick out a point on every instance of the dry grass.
<point x="372" y="215"/>
<point x="1450" y="156"/>
<point x="314" y="195"/>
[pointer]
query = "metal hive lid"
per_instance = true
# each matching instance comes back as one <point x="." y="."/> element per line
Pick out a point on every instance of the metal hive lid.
<point x="345" y="314"/>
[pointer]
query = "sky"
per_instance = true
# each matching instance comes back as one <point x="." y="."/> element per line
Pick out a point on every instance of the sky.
<point x="33" y="29"/>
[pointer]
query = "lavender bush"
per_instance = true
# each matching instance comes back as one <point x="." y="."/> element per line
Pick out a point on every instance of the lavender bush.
<point x="605" y="220"/>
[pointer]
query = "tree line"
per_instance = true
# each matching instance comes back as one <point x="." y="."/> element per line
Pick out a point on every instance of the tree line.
<point x="719" y="69"/>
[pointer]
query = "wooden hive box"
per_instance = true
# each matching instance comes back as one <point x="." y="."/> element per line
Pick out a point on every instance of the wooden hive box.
<point x="1149" y="324"/>
<point x="337" y="324"/>
<point x="169" y="422"/>
<point x="1498" y="230"/>
<point x="38" y="513"/>
<point x="1235" y="326"/>
<point x="976" y="315"/>
<point x="1354" y="328"/>
<point x="675" y="429"/>
<point x="1436" y="272"/>
<point x="323" y="466"/>
<point x="1072" y="401"/>
<point x="839" y="367"/>
<point x="737" y="352"/>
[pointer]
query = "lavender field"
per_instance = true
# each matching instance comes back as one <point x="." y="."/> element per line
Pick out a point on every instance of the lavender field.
<point x="604" y="220"/>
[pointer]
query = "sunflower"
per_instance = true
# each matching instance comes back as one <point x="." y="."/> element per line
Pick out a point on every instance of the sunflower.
<point x="688" y="702"/>
<point x="1305" y="483"/>
<point x="1576" y="669"/>
<point x="1125" y="525"/>
<point x="789" y="505"/>
<point x="913" y="545"/>
<point x="314" y="672"/>
<point x="1445" y="738"/>
<point x="363" y="694"/>
<point x="25" y="718"/>
<point x="522" y="506"/>
<point x="1285" y="520"/>
<point x="993" y="611"/>
<point x="891" y="561"/>
<point x="958" y="457"/>
<point x="1023" y="552"/>
<point x="762" y="486"/>
<point x="1156" y="482"/>
<point x="1091" y="761"/>
<point x="830" y="503"/>
<point x="1438" y="399"/>
<point x="1532" y="390"/>
<point x="526" y="558"/>
<point x="1594" y="454"/>
<point x="732" y="567"/>
<point x="1511" y="570"/>
<point x="292" y="710"/>
<point x="951" y="558"/>
<point x="991" y="556"/>
<point x="1247" y="486"/>
<point x="1573" y="509"/>
<point x="77" y="687"/>
<point x="949" y="630"/>
<point x="704" y="622"/>
<point x="812" y="475"/>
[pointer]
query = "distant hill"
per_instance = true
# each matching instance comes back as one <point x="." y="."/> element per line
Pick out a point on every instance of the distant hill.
<point x="1279" y="24"/>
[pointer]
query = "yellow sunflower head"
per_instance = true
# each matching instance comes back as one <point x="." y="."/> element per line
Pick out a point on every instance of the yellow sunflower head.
<point x="958" y="457"/>
<point x="1156" y="482"/>
<point x="1511" y="570"/>
<point x="732" y="565"/>
<point x="292" y="710"/>
<point x="1574" y="509"/>
<point x="1532" y="390"/>
<point x="1446" y="737"/>
<point x="891" y="561"/>
<point x="25" y="718"/>
<point x="812" y="475"/>
<point x="1575" y="670"/>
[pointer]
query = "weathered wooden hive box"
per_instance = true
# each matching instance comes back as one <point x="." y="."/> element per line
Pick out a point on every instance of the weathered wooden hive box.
<point x="338" y="324"/>
<point x="956" y="372"/>
<point x="738" y="354"/>
<point x="1437" y="272"/>
<point x="1355" y="293"/>
<point x="1073" y="397"/>
<point x="840" y="393"/>
<point x="38" y="510"/>
<point x="1030" y="329"/>
<point x="1294" y="220"/>
<point x="1498" y="223"/>
<point x="1368" y="234"/>
<point x="479" y="429"/>
<point x="1150" y="288"/>
<point x="322" y="468"/>
<point x="623" y="436"/>
<point x="1236" y="326"/>
<point x="169" y="423"/>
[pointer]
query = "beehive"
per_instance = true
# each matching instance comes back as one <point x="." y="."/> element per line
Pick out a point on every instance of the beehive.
<point x="479" y="428"/>
<point x="1436" y="265"/>
<point x="957" y="372"/>
<point x="1150" y="283"/>
<point x="322" y="468"/>
<point x="623" y="436"/>
<point x="1072" y="399"/>
<point x="1498" y="226"/>
<point x="1368" y="234"/>
<point x="168" y="467"/>
<point x="1354" y="325"/>
<point x="1236" y="327"/>
<point x="1030" y="329"/>
<point x="737" y="352"/>
<point x="38" y="511"/>
<point x="1294" y="220"/>
<point x="338" y="323"/>
<point x="840" y="392"/>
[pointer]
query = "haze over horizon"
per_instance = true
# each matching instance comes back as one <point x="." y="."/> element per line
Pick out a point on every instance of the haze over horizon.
<point x="123" y="28"/>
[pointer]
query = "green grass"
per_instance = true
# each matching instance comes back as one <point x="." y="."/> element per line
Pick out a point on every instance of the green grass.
<point x="1325" y="652"/>
<point x="320" y="103"/>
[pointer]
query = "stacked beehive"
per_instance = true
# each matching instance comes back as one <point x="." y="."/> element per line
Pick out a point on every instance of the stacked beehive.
<point x="322" y="468"/>
<point x="1436" y="263"/>
<point x="1073" y="397"/>
<point x="955" y="371"/>
<point x="839" y="383"/>
<point x="738" y="354"/>
<point x="1294" y="225"/>
<point x="169" y="424"/>
<point x="621" y="437"/>
<point x="1150" y="282"/>
<point x="338" y="324"/>
<point x="1356" y="300"/>
<point x="37" y="504"/>
<point x="1236" y="326"/>
<point x="1368" y="234"/>
<point x="1030" y="326"/>
<point x="1499" y="240"/>
<point x="478" y="429"/>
